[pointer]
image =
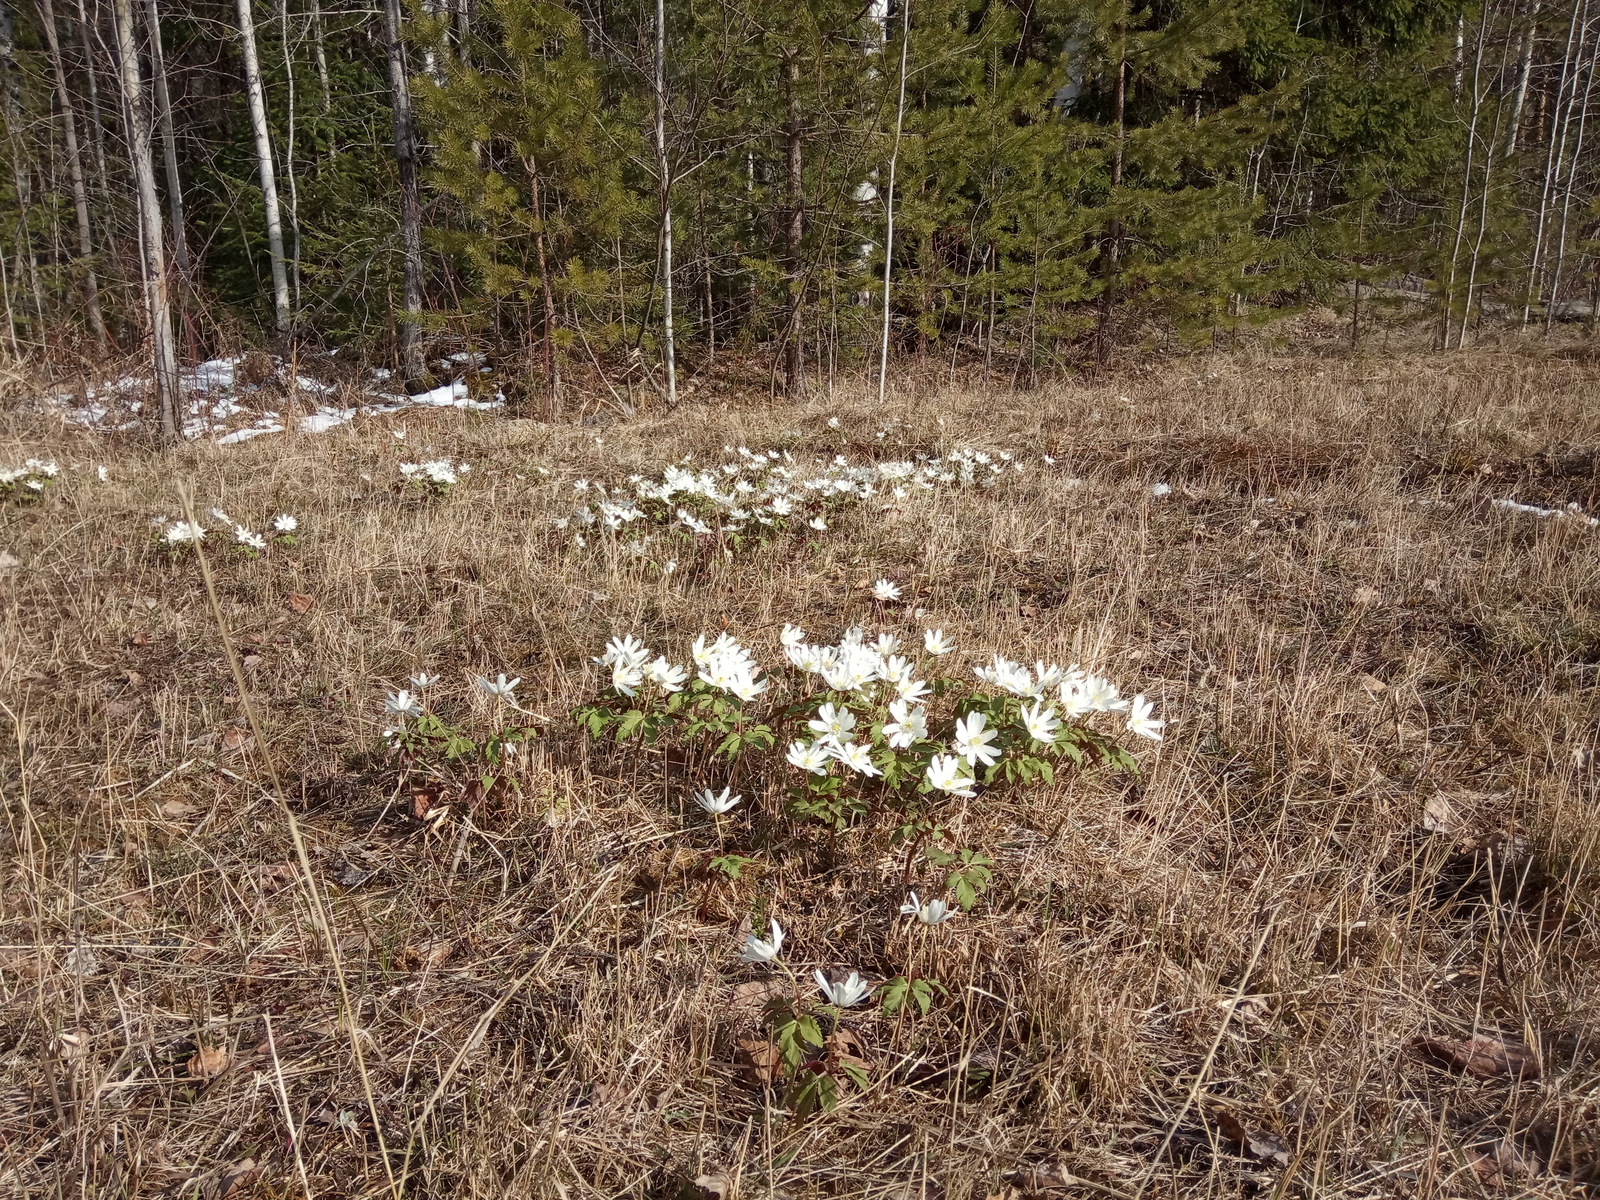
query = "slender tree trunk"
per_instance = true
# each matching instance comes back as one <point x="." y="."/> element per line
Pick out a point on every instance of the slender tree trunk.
<point x="794" y="228"/>
<point x="11" y="317"/>
<point x="551" y="373"/>
<point x="405" y="154"/>
<point x="1566" y="202"/>
<point x="169" y="143"/>
<point x="1530" y="37"/>
<point x="97" y="140"/>
<point x="80" y="194"/>
<point x="664" y="180"/>
<point x="1113" y="255"/>
<point x="257" y="96"/>
<point x="1491" y="143"/>
<point x="319" y="53"/>
<point x="1466" y="184"/>
<point x="156" y="285"/>
<point x="888" y="202"/>
<point x="1553" y="152"/>
<point x="288" y="153"/>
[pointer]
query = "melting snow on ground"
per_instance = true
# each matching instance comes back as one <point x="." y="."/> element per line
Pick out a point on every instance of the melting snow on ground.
<point x="217" y="404"/>
<point x="1533" y="510"/>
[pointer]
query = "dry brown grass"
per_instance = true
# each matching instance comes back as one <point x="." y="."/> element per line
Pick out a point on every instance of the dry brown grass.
<point x="1339" y="627"/>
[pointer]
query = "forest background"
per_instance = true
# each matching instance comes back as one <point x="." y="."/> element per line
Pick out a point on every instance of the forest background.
<point x="577" y="187"/>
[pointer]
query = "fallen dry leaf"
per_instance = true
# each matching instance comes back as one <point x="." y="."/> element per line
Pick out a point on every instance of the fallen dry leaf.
<point x="73" y="1046"/>
<point x="177" y="808"/>
<point x="233" y="1180"/>
<point x="300" y="602"/>
<point x="1482" y="1058"/>
<point x="754" y="994"/>
<point x="763" y="1063"/>
<point x="1371" y="684"/>
<point x="202" y="949"/>
<point x="1043" y="1177"/>
<point x="846" y="1049"/>
<point x="1439" y="815"/>
<point x="29" y="964"/>
<point x="609" y="1093"/>
<point x="272" y="877"/>
<point x="422" y="801"/>
<point x="208" y="1062"/>
<point x="436" y="954"/>
<point x="135" y="906"/>
<point x="1260" y="1144"/>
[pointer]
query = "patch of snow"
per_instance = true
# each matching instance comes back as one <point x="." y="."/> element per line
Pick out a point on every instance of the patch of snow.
<point x="244" y="435"/>
<point x="219" y="406"/>
<point x="213" y="375"/>
<point x="1571" y="510"/>
<point x="325" y="419"/>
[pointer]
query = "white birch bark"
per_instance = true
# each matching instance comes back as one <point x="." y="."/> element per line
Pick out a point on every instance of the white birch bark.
<point x="405" y="153"/>
<point x="157" y="289"/>
<point x="169" y="142"/>
<point x="255" y="93"/>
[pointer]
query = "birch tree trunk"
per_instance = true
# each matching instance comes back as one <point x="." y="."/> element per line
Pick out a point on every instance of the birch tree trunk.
<point x="256" y="94"/>
<point x="80" y="195"/>
<point x="888" y="203"/>
<point x="1566" y="202"/>
<point x="1530" y="36"/>
<point x="1466" y="185"/>
<point x="288" y="152"/>
<point x="793" y="229"/>
<point x="664" y="178"/>
<point x="1553" y="152"/>
<point x="405" y="154"/>
<point x="319" y="52"/>
<point x="169" y="142"/>
<point x="97" y="140"/>
<point x="157" y="292"/>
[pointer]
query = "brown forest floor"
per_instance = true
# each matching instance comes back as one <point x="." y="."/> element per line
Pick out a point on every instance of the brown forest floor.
<point x="1373" y="820"/>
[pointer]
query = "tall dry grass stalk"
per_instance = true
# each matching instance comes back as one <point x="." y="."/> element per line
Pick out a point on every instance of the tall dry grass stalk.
<point x="1373" y="819"/>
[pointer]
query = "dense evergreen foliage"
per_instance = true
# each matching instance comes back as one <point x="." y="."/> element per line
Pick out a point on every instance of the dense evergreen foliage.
<point x="1070" y="176"/>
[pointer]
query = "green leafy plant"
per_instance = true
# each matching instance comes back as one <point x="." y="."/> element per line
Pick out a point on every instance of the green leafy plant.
<point x="433" y="750"/>
<point x="873" y="738"/>
<point x="970" y="875"/>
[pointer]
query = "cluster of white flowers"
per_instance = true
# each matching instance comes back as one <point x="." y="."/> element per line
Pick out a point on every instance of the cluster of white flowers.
<point x="1081" y="695"/>
<point x="763" y="492"/>
<point x="436" y="474"/>
<point x="877" y="674"/>
<point x="186" y="533"/>
<point x="30" y="479"/>
<point x="723" y="664"/>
